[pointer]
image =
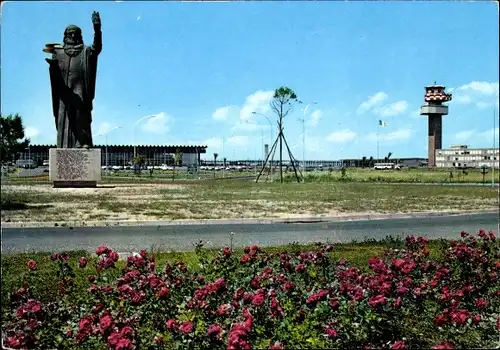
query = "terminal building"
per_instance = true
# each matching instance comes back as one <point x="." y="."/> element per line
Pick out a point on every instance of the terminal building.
<point x="461" y="156"/>
<point x="123" y="155"/>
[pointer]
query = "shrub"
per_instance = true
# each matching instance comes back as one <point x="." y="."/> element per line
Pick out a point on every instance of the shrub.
<point x="298" y="299"/>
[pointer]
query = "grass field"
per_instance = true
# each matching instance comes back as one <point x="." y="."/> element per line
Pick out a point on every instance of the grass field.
<point x="351" y="175"/>
<point x="403" y="176"/>
<point x="226" y="199"/>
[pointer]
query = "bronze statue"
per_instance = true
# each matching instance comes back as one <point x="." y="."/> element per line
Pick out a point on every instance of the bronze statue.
<point x="73" y="70"/>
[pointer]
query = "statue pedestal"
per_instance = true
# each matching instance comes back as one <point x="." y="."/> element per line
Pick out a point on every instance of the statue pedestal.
<point x="75" y="167"/>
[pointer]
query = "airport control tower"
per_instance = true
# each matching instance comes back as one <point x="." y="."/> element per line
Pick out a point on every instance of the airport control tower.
<point x="434" y="109"/>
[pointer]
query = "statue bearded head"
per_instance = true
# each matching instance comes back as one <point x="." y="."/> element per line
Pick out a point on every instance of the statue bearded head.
<point x="73" y="35"/>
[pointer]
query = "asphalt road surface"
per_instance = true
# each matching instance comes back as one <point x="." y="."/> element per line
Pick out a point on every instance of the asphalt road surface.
<point x="182" y="237"/>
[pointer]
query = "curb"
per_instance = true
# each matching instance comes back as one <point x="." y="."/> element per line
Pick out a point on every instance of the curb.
<point x="305" y="220"/>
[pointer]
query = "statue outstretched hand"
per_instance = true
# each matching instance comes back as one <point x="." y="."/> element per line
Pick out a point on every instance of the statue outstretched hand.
<point x="96" y="20"/>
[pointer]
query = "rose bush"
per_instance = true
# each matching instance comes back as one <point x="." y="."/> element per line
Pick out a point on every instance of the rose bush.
<point x="266" y="300"/>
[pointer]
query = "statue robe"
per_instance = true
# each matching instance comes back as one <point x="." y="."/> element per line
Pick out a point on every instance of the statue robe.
<point x="73" y="88"/>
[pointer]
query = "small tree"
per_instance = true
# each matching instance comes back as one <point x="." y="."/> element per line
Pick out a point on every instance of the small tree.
<point x="138" y="163"/>
<point x="215" y="161"/>
<point x="282" y="104"/>
<point x="177" y="160"/>
<point x="363" y="162"/>
<point x="13" y="137"/>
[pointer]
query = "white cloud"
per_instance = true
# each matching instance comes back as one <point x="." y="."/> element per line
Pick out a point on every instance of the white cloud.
<point x="462" y="99"/>
<point x="102" y="128"/>
<point x="482" y="87"/>
<point x="223" y="113"/>
<point x="31" y="132"/>
<point x="213" y="143"/>
<point x="372" y="102"/>
<point x="392" y="109"/>
<point x="395" y="136"/>
<point x="158" y="124"/>
<point x="342" y="136"/>
<point x="256" y="102"/>
<point x="482" y="92"/>
<point x="464" y="135"/>
<point x="316" y="117"/>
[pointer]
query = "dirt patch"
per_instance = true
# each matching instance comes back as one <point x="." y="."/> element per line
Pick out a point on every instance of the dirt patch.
<point x="237" y="200"/>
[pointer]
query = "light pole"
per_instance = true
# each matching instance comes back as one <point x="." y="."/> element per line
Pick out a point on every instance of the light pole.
<point x="272" y="136"/>
<point x="303" y="120"/>
<point x="105" y="134"/>
<point x="270" y="124"/>
<point x="261" y="134"/>
<point x="152" y="116"/>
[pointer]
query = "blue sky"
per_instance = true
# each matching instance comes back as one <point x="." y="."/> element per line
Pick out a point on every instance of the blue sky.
<point x="202" y="68"/>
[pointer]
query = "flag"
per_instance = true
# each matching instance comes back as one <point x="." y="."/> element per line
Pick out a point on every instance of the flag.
<point x="382" y="123"/>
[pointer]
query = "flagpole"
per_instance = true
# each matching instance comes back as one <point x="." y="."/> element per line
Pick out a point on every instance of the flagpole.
<point x="378" y="145"/>
<point x="378" y="139"/>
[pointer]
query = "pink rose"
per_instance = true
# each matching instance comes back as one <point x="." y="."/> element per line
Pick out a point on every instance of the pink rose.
<point x="186" y="327"/>
<point x="105" y="323"/>
<point x="32" y="265"/>
<point x="83" y="262"/>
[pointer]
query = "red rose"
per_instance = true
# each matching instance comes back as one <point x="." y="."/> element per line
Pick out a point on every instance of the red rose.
<point x="481" y="303"/>
<point x="124" y="344"/>
<point x="399" y="345"/>
<point x="63" y="257"/>
<point x="398" y="263"/>
<point x="397" y="303"/>
<point x="172" y="325"/>
<point x="102" y="250"/>
<point x="214" y="331"/>
<point x="334" y="304"/>
<point x="32" y="265"/>
<point x="227" y="251"/>
<point x="36" y="308"/>
<point x="54" y="256"/>
<point x="377" y="300"/>
<point x="258" y="299"/>
<point x="244" y="259"/>
<point x="443" y="346"/>
<point x="440" y="320"/>
<point x="163" y="293"/>
<point x="85" y="324"/>
<point x="127" y="332"/>
<point x="186" y="327"/>
<point x="83" y="262"/>
<point x="158" y="340"/>
<point x="332" y="333"/>
<point x="105" y="323"/>
<point x="113" y="339"/>
<point x="300" y="268"/>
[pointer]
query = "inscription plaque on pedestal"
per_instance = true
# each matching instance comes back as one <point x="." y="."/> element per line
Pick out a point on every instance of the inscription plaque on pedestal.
<point x="74" y="167"/>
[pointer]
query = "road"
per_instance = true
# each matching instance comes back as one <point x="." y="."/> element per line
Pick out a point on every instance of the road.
<point x="182" y="237"/>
